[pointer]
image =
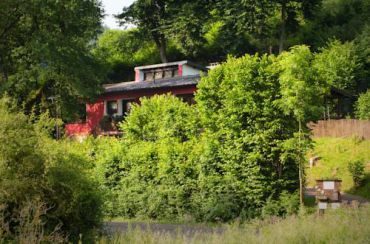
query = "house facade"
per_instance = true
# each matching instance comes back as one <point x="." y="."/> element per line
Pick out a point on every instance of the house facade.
<point x="179" y="78"/>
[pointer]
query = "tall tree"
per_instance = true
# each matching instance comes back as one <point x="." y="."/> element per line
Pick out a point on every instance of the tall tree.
<point x="291" y="12"/>
<point x="150" y="17"/>
<point x="244" y="158"/>
<point x="165" y="19"/>
<point x="301" y="95"/>
<point x="45" y="51"/>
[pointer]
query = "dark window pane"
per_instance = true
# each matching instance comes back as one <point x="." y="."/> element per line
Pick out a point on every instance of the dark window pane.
<point x="126" y="106"/>
<point x="112" y="107"/>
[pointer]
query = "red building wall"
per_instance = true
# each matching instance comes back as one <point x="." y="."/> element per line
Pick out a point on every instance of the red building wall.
<point x="95" y="111"/>
<point x="94" y="114"/>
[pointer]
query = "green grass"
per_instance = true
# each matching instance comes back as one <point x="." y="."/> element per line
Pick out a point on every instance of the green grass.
<point x="188" y="222"/>
<point x="336" y="226"/>
<point x="335" y="155"/>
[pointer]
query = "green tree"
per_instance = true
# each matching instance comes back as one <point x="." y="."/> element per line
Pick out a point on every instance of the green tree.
<point x="244" y="154"/>
<point x="338" y="64"/>
<point x="290" y="12"/>
<point x="163" y="20"/>
<point x="301" y="95"/>
<point x="363" y="106"/>
<point x="149" y="17"/>
<point x="122" y="50"/>
<point x="45" y="52"/>
<point x="335" y="19"/>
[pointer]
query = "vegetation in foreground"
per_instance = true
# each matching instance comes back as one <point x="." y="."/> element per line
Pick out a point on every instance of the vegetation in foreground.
<point x="46" y="191"/>
<point x="336" y="155"/>
<point x="336" y="226"/>
<point x="236" y="153"/>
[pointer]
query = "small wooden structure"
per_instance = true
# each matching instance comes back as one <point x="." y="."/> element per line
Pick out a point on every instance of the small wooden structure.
<point x="328" y="194"/>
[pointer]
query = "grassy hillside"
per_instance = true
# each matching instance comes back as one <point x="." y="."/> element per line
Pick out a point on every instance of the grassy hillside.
<point x="340" y="226"/>
<point x="335" y="155"/>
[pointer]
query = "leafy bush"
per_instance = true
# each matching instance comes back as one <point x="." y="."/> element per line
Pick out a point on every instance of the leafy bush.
<point x="363" y="106"/>
<point x="357" y="170"/>
<point x="233" y="154"/>
<point x="287" y="204"/>
<point x="34" y="167"/>
<point x="337" y="64"/>
<point x="149" y="171"/>
<point x="217" y="164"/>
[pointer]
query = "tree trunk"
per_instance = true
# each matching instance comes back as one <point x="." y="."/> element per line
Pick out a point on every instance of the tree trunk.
<point x="161" y="45"/>
<point x="282" y="28"/>
<point x="300" y="166"/>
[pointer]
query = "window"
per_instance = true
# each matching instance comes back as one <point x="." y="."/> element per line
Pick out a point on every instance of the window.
<point x="160" y="73"/>
<point x="126" y="106"/>
<point x="168" y="73"/>
<point x="148" y="76"/>
<point x="112" y="107"/>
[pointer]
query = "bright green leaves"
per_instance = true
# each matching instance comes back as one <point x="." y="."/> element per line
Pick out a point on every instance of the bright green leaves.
<point x="160" y="117"/>
<point x="363" y="106"/>
<point x="244" y="133"/>
<point x="301" y="89"/>
<point x="230" y="153"/>
<point x="337" y="64"/>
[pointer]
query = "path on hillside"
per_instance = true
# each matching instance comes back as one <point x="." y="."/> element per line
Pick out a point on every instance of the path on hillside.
<point x="345" y="196"/>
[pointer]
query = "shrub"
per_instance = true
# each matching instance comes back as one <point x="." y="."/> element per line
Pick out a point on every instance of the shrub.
<point x="107" y="155"/>
<point x="34" y="167"/>
<point x="362" y="106"/>
<point x="150" y="172"/>
<point x="31" y="226"/>
<point x="287" y="204"/>
<point x="357" y="170"/>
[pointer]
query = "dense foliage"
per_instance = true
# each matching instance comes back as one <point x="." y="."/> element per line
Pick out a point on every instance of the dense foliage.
<point x="51" y="55"/>
<point x="44" y="53"/>
<point x="236" y="153"/>
<point x="247" y="25"/>
<point x="363" y="106"/>
<point x="34" y="168"/>
<point x="357" y="170"/>
<point x="231" y="155"/>
<point x="247" y="153"/>
<point x="150" y="171"/>
<point x="338" y="64"/>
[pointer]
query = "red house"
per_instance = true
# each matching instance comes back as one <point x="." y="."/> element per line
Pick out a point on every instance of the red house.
<point x="179" y="78"/>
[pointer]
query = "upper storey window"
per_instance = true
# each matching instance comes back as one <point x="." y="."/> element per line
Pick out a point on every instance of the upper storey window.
<point x="156" y="74"/>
